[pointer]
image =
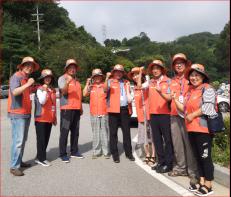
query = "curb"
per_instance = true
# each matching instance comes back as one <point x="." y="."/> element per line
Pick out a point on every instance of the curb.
<point x="221" y="174"/>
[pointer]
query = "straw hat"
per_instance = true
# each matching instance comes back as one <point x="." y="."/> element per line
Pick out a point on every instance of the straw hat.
<point x="71" y="62"/>
<point x="180" y="56"/>
<point x="30" y="60"/>
<point x="199" y="68"/>
<point x="96" y="72"/>
<point x="158" y="63"/>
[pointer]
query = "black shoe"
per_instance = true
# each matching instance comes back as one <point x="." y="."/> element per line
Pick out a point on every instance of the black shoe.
<point x="131" y="158"/>
<point x="164" y="169"/>
<point x="25" y="165"/>
<point x="116" y="159"/>
<point x="156" y="167"/>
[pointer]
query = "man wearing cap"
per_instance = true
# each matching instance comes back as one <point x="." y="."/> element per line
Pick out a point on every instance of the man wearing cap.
<point x="95" y="88"/>
<point x="19" y="111"/>
<point x="184" y="162"/>
<point x="71" y="109"/>
<point x="45" y="114"/>
<point x="159" y="93"/>
<point x="119" y="109"/>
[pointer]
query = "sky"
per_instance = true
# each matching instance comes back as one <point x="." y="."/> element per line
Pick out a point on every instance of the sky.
<point x="163" y="21"/>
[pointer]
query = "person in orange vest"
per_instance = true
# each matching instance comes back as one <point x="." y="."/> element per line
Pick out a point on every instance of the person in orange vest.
<point x="184" y="161"/>
<point x="71" y="110"/>
<point x="159" y="91"/>
<point x="119" y="109"/>
<point x="19" y="111"/>
<point x="199" y="102"/>
<point x="137" y="75"/>
<point x="45" y="114"/>
<point x="98" y="109"/>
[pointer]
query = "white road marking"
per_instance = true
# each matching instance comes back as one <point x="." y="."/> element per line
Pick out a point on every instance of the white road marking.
<point x="171" y="184"/>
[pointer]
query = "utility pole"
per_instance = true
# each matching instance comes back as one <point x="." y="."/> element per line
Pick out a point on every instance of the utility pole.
<point x="38" y="20"/>
<point x="104" y="32"/>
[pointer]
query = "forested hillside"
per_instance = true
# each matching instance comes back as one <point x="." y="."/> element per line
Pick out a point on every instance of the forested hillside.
<point x="212" y="50"/>
<point x="62" y="39"/>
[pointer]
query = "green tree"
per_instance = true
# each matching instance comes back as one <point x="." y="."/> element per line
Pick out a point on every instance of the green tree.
<point x="222" y="50"/>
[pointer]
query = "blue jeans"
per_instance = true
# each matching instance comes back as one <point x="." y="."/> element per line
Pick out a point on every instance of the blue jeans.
<point x="20" y="127"/>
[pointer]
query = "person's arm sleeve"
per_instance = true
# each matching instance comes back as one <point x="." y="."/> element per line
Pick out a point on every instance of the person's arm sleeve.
<point x="14" y="83"/>
<point x="208" y="105"/>
<point x="61" y="82"/>
<point x="42" y="96"/>
<point x="108" y="84"/>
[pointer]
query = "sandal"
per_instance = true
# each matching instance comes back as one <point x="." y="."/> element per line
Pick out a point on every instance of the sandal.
<point x="146" y="160"/>
<point x="194" y="187"/>
<point x="152" y="161"/>
<point x="176" y="173"/>
<point x="203" y="191"/>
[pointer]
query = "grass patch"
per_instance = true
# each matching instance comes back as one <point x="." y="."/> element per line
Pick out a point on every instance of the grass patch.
<point x="221" y="146"/>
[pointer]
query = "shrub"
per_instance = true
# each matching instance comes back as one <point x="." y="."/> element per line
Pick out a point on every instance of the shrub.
<point x="221" y="142"/>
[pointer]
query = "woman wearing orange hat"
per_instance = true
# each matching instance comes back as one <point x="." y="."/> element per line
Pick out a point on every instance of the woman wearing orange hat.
<point x="98" y="109"/>
<point x="45" y="114"/>
<point x="137" y="75"/>
<point x="19" y="111"/>
<point x="119" y="110"/>
<point x="184" y="161"/>
<point x="199" y="102"/>
<point x="159" y="91"/>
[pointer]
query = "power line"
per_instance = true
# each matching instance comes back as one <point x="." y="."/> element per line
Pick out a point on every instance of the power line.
<point x="38" y="20"/>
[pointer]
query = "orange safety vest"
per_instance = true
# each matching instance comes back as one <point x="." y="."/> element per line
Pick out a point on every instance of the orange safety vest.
<point x="98" y="102"/>
<point x="46" y="112"/>
<point x="157" y="104"/>
<point x="193" y="102"/>
<point x="113" y="97"/>
<point x="20" y="104"/>
<point x="73" y="98"/>
<point x="180" y="87"/>
<point x="142" y="104"/>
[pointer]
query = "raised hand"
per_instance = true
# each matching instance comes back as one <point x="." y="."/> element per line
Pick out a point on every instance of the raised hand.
<point x="108" y="75"/>
<point x="68" y="79"/>
<point x="30" y="82"/>
<point x="88" y="81"/>
<point x="173" y="95"/>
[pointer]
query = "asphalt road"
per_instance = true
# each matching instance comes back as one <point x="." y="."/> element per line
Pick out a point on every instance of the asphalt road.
<point x="80" y="176"/>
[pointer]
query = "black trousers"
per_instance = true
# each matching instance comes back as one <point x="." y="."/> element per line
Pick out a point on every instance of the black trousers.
<point x="201" y="145"/>
<point x="115" y="120"/>
<point x="69" y="122"/>
<point x="161" y="133"/>
<point x="43" y="131"/>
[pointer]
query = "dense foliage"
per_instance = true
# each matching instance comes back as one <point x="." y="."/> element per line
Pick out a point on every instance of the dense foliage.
<point x="62" y="39"/>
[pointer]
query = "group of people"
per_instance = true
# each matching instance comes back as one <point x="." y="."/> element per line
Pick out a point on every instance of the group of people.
<point x="171" y="115"/>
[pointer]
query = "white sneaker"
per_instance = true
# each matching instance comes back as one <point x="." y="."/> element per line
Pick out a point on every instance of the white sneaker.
<point x="41" y="163"/>
<point x="47" y="162"/>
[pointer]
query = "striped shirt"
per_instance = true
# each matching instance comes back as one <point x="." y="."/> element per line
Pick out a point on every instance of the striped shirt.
<point x="209" y="101"/>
